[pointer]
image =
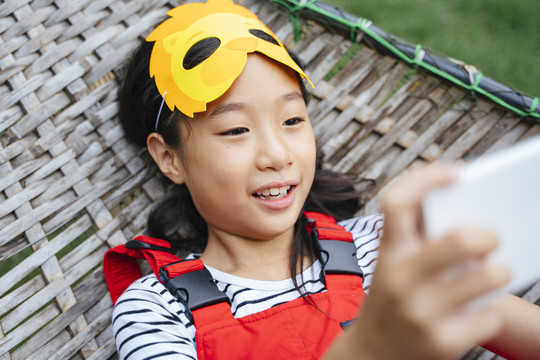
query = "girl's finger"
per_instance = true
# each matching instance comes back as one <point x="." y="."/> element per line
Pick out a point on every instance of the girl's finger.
<point x="443" y="298"/>
<point x="478" y="328"/>
<point x="454" y="271"/>
<point x="402" y="202"/>
<point x="459" y="246"/>
<point x="481" y="279"/>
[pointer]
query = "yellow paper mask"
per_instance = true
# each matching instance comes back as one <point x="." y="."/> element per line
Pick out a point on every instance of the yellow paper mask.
<point x="222" y="34"/>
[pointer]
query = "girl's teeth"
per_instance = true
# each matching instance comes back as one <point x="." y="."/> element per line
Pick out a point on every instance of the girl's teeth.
<point x="273" y="193"/>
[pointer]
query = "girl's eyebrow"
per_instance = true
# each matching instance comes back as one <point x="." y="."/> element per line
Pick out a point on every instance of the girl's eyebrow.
<point x="223" y="108"/>
<point x="292" y="96"/>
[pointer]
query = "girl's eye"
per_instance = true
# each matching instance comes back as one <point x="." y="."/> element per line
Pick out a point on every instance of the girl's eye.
<point x="236" y="131"/>
<point x="293" y="121"/>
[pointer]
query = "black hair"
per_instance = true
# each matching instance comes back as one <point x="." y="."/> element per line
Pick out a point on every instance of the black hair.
<point x="175" y="218"/>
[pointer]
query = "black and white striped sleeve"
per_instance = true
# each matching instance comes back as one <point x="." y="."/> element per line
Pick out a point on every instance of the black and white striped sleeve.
<point x="148" y="323"/>
<point x="366" y="231"/>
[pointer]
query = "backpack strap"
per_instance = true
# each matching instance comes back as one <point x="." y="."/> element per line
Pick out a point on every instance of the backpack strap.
<point x="191" y="283"/>
<point x="120" y="263"/>
<point x="338" y="251"/>
<point x="121" y="269"/>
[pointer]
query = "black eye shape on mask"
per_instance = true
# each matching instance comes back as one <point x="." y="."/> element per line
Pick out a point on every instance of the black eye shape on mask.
<point x="200" y="51"/>
<point x="263" y="36"/>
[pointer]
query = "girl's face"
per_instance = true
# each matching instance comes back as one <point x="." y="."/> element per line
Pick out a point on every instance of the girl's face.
<point x="249" y="160"/>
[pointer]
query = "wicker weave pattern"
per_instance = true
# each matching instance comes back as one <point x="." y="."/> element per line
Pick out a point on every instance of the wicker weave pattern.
<point x="72" y="186"/>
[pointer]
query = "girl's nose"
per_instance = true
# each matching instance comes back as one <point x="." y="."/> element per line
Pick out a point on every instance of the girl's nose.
<point x="273" y="151"/>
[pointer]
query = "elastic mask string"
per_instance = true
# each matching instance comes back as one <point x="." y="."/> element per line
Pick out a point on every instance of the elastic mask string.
<point x="159" y="112"/>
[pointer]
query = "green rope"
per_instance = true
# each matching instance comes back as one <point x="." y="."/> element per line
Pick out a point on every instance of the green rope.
<point x="293" y="10"/>
<point x="418" y="55"/>
<point x="534" y="104"/>
<point x="477" y="80"/>
<point x="364" y="24"/>
<point x="360" y="24"/>
<point x="296" y="26"/>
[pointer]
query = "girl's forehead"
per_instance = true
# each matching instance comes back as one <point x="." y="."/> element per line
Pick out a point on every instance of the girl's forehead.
<point x="263" y="80"/>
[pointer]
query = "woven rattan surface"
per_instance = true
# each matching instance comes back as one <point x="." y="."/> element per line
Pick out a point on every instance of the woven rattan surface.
<point x="71" y="186"/>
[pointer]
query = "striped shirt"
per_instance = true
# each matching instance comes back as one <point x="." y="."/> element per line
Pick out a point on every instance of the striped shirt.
<point x="149" y="323"/>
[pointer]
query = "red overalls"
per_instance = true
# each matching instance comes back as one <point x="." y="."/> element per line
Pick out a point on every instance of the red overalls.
<point x="294" y="330"/>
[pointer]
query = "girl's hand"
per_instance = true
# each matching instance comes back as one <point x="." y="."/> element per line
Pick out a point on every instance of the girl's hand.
<point x="414" y="309"/>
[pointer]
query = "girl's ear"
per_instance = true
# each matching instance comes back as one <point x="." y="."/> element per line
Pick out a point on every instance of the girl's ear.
<point x="167" y="158"/>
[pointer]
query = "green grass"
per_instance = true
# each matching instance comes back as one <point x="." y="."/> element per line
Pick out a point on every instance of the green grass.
<point x="500" y="37"/>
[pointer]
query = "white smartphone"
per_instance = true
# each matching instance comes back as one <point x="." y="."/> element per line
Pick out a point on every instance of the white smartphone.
<point x="500" y="191"/>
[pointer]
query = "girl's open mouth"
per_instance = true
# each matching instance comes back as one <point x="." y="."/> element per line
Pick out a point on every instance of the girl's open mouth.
<point x="273" y="193"/>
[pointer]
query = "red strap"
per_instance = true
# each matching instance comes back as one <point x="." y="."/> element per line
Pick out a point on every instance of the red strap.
<point x="184" y="267"/>
<point x="344" y="282"/>
<point x="121" y="268"/>
<point x="213" y="314"/>
<point x="120" y="271"/>
<point x="326" y="227"/>
<point x="316" y="216"/>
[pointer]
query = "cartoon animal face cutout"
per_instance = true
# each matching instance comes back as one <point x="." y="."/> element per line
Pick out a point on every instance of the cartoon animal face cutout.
<point x="203" y="48"/>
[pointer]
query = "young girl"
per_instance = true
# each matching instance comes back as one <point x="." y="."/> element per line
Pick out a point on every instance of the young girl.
<point x="224" y="117"/>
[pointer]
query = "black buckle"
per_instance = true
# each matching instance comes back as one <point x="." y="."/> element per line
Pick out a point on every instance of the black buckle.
<point x="138" y="244"/>
<point x="339" y="257"/>
<point x="196" y="289"/>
